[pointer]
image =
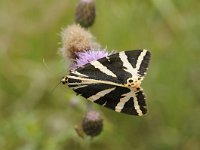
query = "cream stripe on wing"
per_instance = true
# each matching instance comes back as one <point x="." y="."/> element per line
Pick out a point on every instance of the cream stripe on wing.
<point x="125" y="99"/>
<point x="103" y="68"/>
<point x="136" y="106"/>
<point x="79" y="74"/>
<point x="128" y="67"/>
<point x="122" y="102"/>
<point x="91" y="81"/>
<point x="140" y="58"/>
<point x="100" y="94"/>
<point x="81" y="86"/>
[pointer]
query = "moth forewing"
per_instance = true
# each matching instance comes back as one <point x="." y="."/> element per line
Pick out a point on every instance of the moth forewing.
<point x="113" y="81"/>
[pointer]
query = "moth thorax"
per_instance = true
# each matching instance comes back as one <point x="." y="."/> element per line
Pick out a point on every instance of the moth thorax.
<point x="134" y="82"/>
<point x="64" y="80"/>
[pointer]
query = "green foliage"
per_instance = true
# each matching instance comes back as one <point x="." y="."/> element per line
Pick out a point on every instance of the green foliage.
<point x="32" y="117"/>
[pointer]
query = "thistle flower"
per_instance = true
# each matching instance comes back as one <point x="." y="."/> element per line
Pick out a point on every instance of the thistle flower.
<point x="92" y="123"/>
<point x="76" y="39"/>
<point x="85" y="57"/>
<point x="85" y="13"/>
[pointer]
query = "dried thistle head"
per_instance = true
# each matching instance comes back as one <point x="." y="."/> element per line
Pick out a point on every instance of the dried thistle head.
<point x="85" y="13"/>
<point x="76" y="39"/>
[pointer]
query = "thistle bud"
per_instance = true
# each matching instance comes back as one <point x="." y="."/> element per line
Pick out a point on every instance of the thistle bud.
<point x="85" y="13"/>
<point x="92" y="123"/>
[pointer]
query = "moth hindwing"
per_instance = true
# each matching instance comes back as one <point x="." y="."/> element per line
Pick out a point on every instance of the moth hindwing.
<point x="113" y="81"/>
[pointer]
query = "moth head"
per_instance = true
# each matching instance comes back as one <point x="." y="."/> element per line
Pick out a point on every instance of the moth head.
<point x="134" y="82"/>
<point x="64" y="80"/>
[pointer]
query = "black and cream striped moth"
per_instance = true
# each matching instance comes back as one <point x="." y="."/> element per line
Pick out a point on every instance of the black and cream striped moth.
<point x="113" y="81"/>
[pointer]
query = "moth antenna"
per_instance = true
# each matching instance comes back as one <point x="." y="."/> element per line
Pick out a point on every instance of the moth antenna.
<point x="46" y="66"/>
<point x="55" y="87"/>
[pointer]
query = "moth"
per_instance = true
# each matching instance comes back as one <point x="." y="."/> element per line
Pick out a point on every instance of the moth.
<point x="113" y="81"/>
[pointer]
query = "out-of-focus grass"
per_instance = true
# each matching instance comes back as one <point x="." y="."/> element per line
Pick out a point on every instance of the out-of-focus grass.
<point x="33" y="117"/>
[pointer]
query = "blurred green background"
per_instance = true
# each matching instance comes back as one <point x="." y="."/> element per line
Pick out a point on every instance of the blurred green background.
<point x="33" y="117"/>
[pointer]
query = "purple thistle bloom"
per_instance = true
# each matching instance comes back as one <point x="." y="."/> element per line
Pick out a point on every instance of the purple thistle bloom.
<point x="85" y="57"/>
